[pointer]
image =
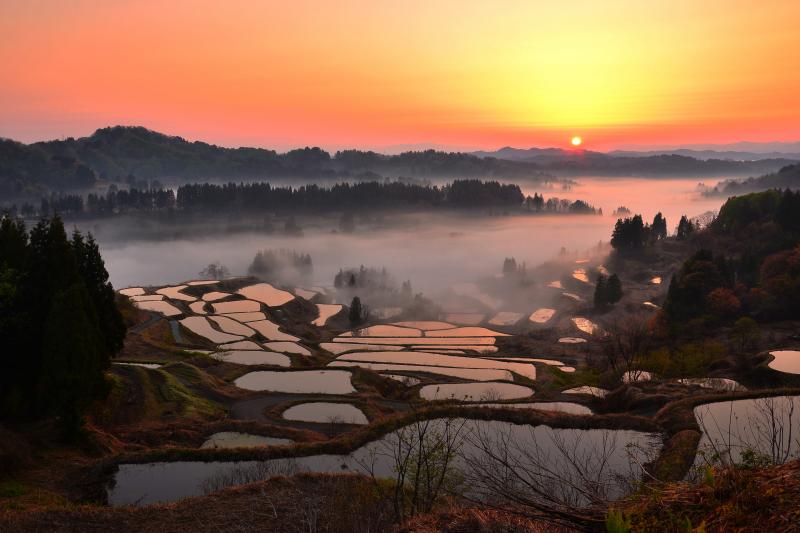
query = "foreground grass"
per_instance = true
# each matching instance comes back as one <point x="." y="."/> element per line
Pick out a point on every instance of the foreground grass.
<point x="732" y="499"/>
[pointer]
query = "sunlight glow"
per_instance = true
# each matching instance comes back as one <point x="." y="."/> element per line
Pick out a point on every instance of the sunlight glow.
<point x="576" y="141"/>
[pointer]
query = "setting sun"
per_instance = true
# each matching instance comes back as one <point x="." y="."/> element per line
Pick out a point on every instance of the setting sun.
<point x="576" y="141"/>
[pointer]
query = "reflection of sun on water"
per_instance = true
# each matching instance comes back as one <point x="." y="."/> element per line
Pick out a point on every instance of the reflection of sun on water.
<point x="576" y="141"/>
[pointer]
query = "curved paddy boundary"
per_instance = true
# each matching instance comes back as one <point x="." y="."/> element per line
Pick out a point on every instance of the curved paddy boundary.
<point x="99" y="474"/>
<point x="683" y="432"/>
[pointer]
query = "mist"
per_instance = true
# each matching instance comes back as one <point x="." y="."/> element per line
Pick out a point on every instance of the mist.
<point x="432" y="250"/>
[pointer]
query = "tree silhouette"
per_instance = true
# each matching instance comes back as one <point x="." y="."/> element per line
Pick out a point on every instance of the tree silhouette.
<point x="356" y="315"/>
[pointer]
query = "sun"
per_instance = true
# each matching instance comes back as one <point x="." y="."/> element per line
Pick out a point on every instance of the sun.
<point x="576" y="141"/>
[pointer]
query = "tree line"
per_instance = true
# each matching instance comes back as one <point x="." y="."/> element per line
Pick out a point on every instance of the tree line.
<point x="59" y="322"/>
<point x="262" y="196"/>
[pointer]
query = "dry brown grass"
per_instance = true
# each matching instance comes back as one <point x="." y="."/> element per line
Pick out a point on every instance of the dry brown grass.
<point x="477" y="521"/>
<point x="310" y="502"/>
<point x="734" y="499"/>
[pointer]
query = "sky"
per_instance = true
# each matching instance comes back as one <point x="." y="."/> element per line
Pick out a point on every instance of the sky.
<point x="388" y="75"/>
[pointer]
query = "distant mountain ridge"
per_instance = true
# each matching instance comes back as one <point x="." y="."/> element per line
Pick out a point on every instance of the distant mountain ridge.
<point x="114" y="153"/>
<point x="678" y="162"/>
<point x="787" y="177"/>
<point x="711" y="154"/>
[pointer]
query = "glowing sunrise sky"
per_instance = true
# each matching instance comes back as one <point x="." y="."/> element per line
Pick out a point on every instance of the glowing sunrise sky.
<point x="386" y="73"/>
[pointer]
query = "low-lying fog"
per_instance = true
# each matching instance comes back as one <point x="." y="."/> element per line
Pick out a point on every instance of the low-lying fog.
<point x="431" y="250"/>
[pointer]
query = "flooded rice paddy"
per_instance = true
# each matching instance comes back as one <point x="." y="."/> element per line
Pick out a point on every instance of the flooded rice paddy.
<point x="604" y="457"/>
<point x="471" y="374"/>
<point x="340" y="413"/>
<point x="786" y="361"/>
<point x="475" y="392"/>
<point x="253" y="357"/>
<point x="233" y="439"/>
<point x="298" y="382"/>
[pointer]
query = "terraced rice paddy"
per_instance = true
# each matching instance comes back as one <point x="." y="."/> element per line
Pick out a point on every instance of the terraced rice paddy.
<point x="786" y="361"/>
<point x="174" y="293"/>
<point x="147" y="298"/>
<point x="213" y="296"/>
<point x="253" y="357"/>
<point x="298" y="382"/>
<point x="247" y="317"/>
<point x="237" y="306"/>
<point x="198" y="308"/>
<point x="287" y="347"/>
<point x="453" y="342"/>
<point x="465" y="331"/>
<point x="474" y="392"/>
<point x="266" y="294"/>
<point x="159" y="306"/>
<point x="341" y="413"/>
<point x="542" y="316"/>
<point x="228" y="325"/>
<point x="560" y="407"/>
<point x="143" y="365"/>
<point x="484" y="348"/>
<point x="434" y="359"/>
<point x="408" y="381"/>
<point x="580" y="275"/>
<point x="606" y="454"/>
<point x="338" y="348"/>
<point x="592" y="391"/>
<point x="721" y="384"/>
<point x="304" y="294"/>
<point x="132" y="291"/>
<point x="201" y="326"/>
<point x="471" y="374"/>
<point x="326" y="311"/>
<point x="240" y="345"/>
<point x="586" y="325"/>
<point x="271" y="331"/>
<point x="766" y="426"/>
<point x="383" y="331"/>
<point x="233" y="439"/>
<point x="425" y="325"/>
<point x="505" y="318"/>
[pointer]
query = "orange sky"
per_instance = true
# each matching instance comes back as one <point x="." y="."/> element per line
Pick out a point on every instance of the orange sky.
<point x="384" y="73"/>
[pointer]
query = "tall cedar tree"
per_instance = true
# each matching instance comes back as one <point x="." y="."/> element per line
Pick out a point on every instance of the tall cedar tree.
<point x="356" y="311"/>
<point x="59" y="321"/>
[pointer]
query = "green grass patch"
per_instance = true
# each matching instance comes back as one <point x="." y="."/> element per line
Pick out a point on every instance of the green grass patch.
<point x="12" y="488"/>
